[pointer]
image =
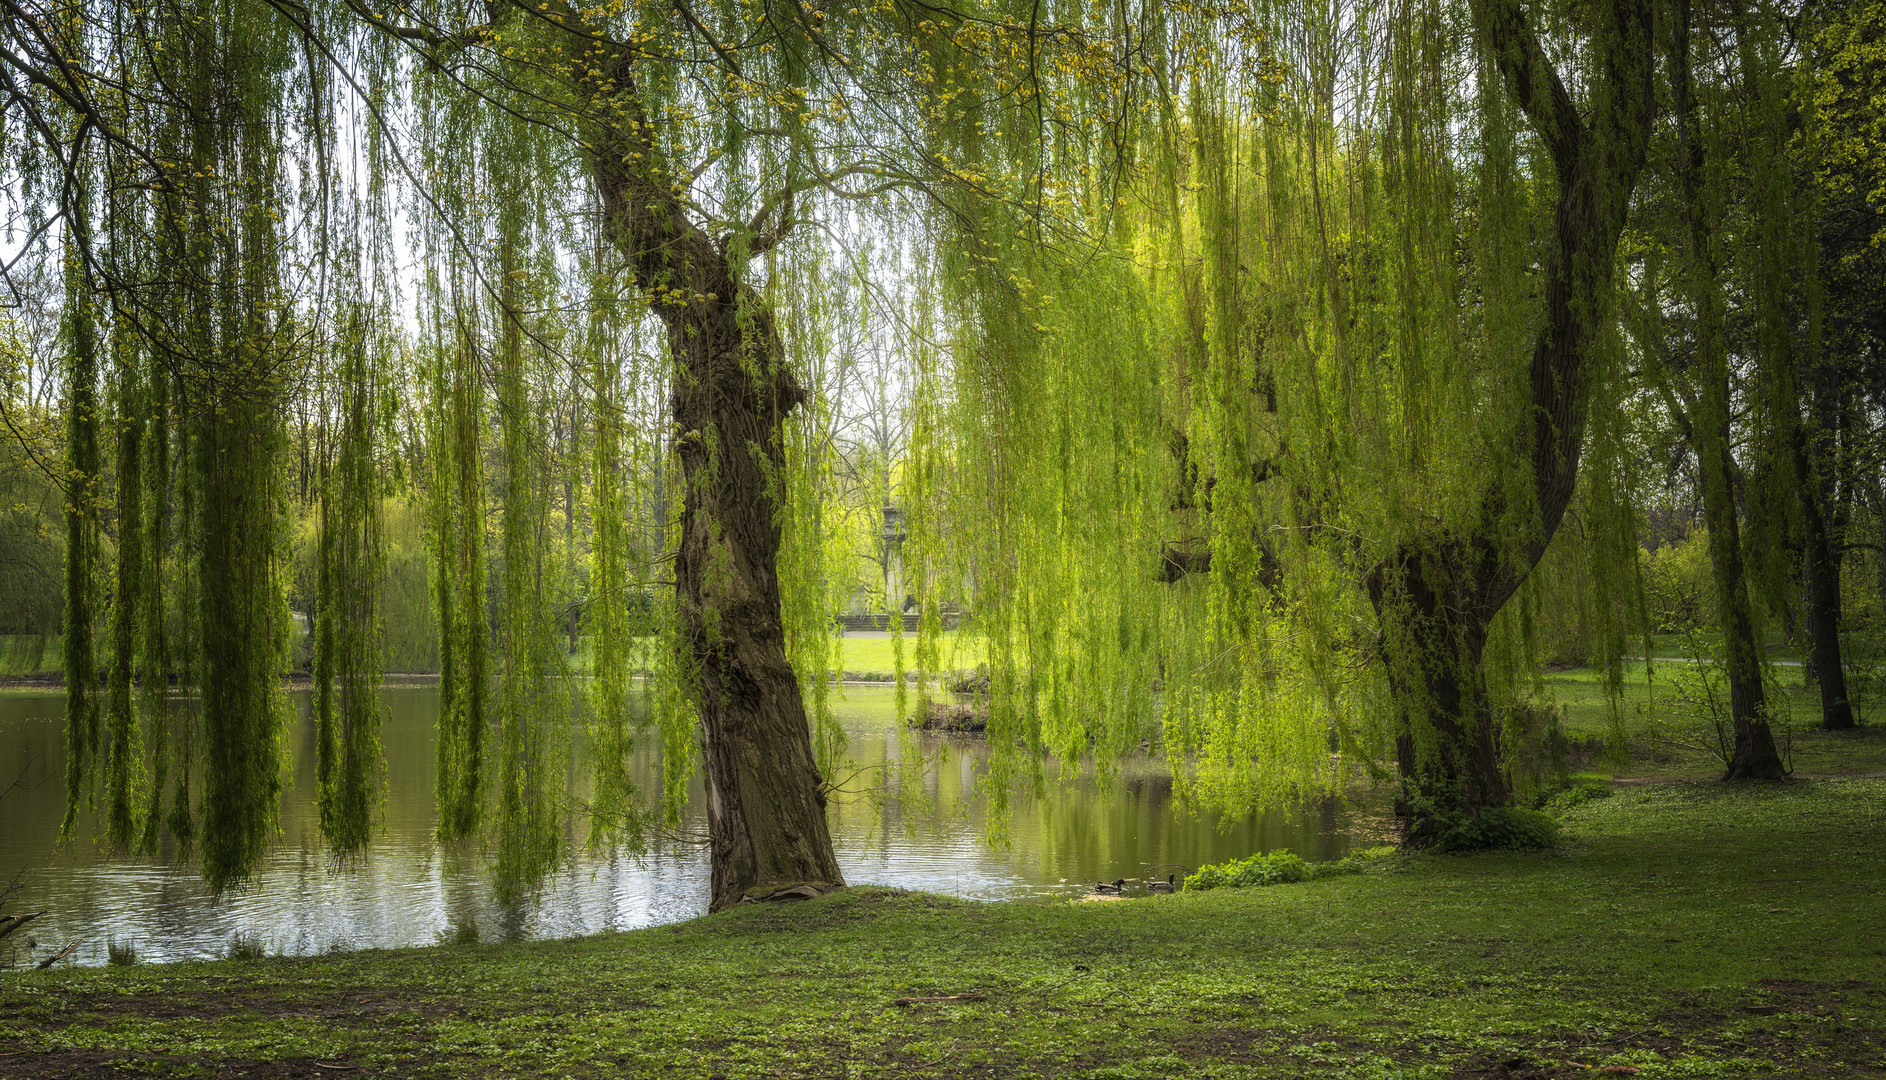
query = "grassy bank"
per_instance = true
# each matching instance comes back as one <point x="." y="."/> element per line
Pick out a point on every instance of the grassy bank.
<point x="1684" y="930"/>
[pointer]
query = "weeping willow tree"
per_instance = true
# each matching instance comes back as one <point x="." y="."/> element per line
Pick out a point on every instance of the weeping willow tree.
<point x="704" y="147"/>
<point x="1267" y="346"/>
<point x="351" y="560"/>
<point x="1374" y="249"/>
<point x="187" y="256"/>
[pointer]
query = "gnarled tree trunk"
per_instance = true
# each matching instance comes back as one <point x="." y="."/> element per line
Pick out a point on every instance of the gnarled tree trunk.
<point x="765" y="802"/>
<point x="765" y="798"/>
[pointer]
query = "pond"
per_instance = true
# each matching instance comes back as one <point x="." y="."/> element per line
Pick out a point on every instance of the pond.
<point x="409" y="891"/>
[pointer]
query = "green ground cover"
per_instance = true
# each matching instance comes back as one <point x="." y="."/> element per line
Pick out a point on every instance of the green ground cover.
<point x="1670" y="732"/>
<point x="1683" y="930"/>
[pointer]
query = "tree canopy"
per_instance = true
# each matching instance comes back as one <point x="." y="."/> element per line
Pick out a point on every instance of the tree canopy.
<point x="1267" y="377"/>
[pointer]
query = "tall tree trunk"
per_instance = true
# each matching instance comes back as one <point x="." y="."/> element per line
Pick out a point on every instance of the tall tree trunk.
<point x="1754" y="755"/>
<point x="1878" y="493"/>
<point x="765" y="797"/>
<point x="1823" y="593"/>
<point x="765" y="801"/>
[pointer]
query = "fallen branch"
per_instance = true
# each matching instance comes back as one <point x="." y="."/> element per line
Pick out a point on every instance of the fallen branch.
<point x="336" y="1068"/>
<point x="10" y="923"/>
<point x="60" y="955"/>
<point x="940" y="1000"/>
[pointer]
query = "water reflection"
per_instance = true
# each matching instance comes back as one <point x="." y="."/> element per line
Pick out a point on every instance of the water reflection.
<point x="409" y="891"/>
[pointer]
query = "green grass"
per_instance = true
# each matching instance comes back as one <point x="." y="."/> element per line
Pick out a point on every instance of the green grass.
<point x="1669" y="737"/>
<point x="1675" y="646"/>
<point x="868" y="657"/>
<point x="1684" y="930"/>
<point x="29" y="657"/>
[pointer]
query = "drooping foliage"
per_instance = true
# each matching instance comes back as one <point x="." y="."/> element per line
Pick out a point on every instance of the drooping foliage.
<point x="1286" y="430"/>
<point x="190" y="322"/>
<point x="351" y="560"/>
<point x="80" y="658"/>
<point x="1265" y="373"/>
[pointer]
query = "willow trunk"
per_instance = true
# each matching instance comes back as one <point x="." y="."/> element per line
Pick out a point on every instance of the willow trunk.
<point x="1438" y="595"/>
<point x="1445" y="745"/>
<point x="731" y="396"/>
<point x="765" y="799"/>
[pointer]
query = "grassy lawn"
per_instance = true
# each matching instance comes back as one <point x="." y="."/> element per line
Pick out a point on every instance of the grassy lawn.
<point x="862" y="658"/>
<point x="1684" y="930"/>
<point x="1670" y="737"/>
<point x="871" y="657"/>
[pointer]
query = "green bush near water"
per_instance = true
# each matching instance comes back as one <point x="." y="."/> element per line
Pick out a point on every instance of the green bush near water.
<point x="1281" y="868"/>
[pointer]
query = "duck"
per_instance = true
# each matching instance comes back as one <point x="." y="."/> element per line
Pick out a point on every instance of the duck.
<point x="1114" y="886"/>
<point x="1168" y="885"/>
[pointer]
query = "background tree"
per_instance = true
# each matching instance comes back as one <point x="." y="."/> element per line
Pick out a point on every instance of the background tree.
<point x="1381" y="387"/>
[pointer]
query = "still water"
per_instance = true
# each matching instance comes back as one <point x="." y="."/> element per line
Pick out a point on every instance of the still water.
<point x="408" y="891"/>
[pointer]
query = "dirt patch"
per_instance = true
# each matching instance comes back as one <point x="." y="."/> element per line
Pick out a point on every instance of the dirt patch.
<point x="88" y="1064"/>
<point x="53" y="1012"/>
<point x="1824" y="1049"/>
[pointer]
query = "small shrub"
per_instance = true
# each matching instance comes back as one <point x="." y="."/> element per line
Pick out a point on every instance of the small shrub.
<point x="1281" y="867"/>
<point x="1559" y="803"/>
<point x="1353" y="863"/>
<point x="244" y="947"/>
<point x="120" y="953"/>
<point x="1501" y="828"/>
<point x="1275" y="868"/>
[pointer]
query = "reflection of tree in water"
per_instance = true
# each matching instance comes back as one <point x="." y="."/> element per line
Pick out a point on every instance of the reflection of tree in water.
<point x="13" y="921"/>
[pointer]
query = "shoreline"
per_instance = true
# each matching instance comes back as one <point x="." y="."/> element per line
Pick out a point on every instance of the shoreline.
<point x="1683" y="930"/>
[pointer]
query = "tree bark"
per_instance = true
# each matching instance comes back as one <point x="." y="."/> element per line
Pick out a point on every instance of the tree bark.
<point x="1823" y="594"/>
<point x="765" y="797"/>
<point x="1754" y="756"/>
<point x="1445" y="747"/>
<point x="765" y="801"/>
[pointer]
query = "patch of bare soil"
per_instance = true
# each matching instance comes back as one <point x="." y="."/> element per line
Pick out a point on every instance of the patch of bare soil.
<point x="64" y="1009"/>
<point x="89" y="1064"/>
